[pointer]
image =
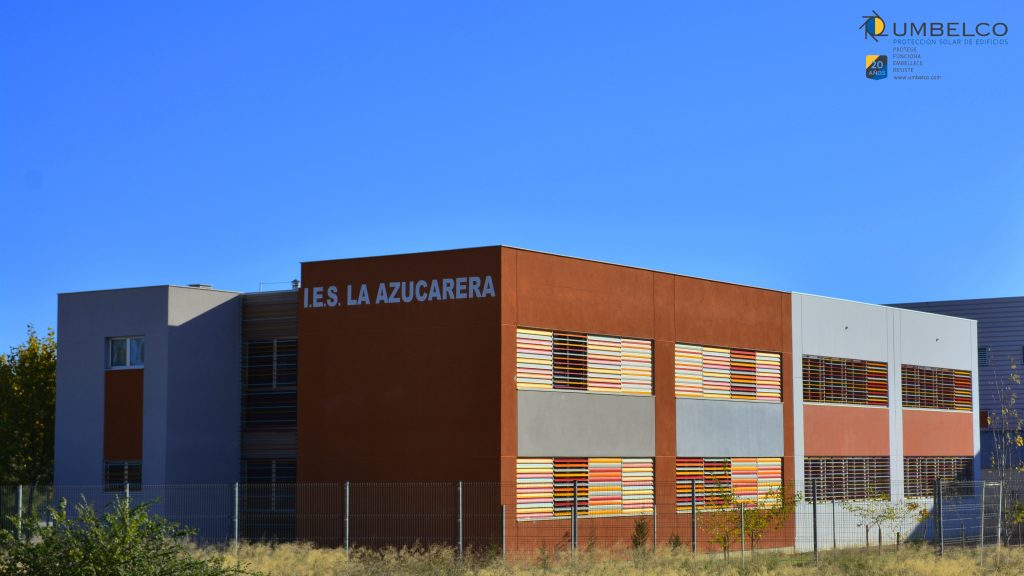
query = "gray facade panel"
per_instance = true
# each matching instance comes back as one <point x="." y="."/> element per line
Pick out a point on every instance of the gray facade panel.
<point x="553" y="424"/>
<point x="710" y="428"/>
<point x="933" y="340"/>
<point x="843" y="329"/>
<point x="204" y="399"/>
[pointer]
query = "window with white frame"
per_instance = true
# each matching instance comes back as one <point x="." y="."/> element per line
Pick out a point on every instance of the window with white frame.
<point x="126" y="352"/>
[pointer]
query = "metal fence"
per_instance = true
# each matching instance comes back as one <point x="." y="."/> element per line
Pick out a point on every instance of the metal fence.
<point x="483" y="516"/>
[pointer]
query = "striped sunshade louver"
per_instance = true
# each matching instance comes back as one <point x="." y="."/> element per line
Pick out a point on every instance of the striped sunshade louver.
<point x="718" y="483"/>
<point x="727" y="373"/>
<point x="830" y="380"/>
<point x="604" y="487"/>
<point x="936" y="388"/>
<point x="553" y="360"/>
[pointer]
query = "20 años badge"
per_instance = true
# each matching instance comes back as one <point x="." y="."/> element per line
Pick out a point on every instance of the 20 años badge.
<point x="877" y="66"/>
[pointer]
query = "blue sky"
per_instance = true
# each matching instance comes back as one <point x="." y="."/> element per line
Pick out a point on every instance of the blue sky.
<point x="225" y="142"/>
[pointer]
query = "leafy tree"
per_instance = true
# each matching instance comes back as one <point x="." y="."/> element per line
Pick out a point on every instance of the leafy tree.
<point x="28" y="390"/>
<point x="878" y="511"/>
<point x="769" y="513"/>
<point x="124" y="541"/>
<point x="723" y="521"/>
<point x="726" y="524"/>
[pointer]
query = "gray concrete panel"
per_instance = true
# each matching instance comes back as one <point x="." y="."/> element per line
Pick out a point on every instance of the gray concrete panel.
<point x="843" y="329"/>
<point x="559" y="423"/>
<point x="710" y="428"/>
<point x="934" y="340"/>
<point x="203" y="405"/>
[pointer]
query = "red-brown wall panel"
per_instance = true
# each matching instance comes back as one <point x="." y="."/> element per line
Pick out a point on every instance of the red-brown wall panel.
<point x="122" y="414"/>
<point x="720" y="314"/>
<point x="932" y="433"/>
<point x="403" y="391"/>
<point x="845" y="431"/>
<point x="560" y="293"/>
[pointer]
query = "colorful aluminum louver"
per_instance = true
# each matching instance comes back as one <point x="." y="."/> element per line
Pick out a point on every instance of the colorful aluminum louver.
<point x="603" y="486"/>
<point x="727" y="374"/>
<point x="921" y="472"/>
<point x="718" y="483"/>
<point x="848" y="477"/>
<point x="845" y="381"/>
<point x="551" y="360"/>
<point x="937" y="388"/>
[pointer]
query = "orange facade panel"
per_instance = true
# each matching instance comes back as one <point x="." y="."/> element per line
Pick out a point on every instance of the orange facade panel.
<point x="938" y="433"/>
<point x="845" y="430"/>
<point x="122" y="415"/>
<point x="561" y="293"/>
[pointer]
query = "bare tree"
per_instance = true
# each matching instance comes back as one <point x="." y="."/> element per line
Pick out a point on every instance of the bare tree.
<point x="1007" y="426"/>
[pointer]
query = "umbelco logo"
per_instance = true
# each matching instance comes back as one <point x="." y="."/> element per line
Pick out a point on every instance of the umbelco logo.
<point x="873" y="26"/>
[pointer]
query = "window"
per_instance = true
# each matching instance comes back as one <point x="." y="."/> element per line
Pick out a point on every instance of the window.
<point x="551" y="360"/>
<point x="269" y="396"/>
<point x="921" y="472"/>
<point x="845" y="381"/>
<point x="603" y="486"/>
<point x="117" y="474"/>
<point x="126" y="352"/>
<point x="938" y="388"/>
<point x="717" y="483"/>
<point x="727" y="374"/>
<point x="982" y="356"/>
<point x="847" y="478"/>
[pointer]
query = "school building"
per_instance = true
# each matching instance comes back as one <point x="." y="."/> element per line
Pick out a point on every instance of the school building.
<point x="527" y="370"/>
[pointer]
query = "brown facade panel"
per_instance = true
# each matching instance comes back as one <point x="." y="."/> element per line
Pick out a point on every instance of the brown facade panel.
<point x="560" y="293"/>
<point x="404" y="390"/>
<point x="720" y="314"/>
<point x="846" y="430"/>
<point x="934" y="433"/>
<point x="122" y="414"/>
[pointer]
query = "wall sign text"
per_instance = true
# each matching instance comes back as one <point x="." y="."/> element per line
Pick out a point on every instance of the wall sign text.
<point x="458" y="288"/>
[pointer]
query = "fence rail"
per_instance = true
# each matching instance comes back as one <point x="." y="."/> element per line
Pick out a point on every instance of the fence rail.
<point x="484" y="516"/>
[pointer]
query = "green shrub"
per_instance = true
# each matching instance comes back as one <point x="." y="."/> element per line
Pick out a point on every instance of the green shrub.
<point x="641" y="532"/>
<point x="124" y="541"/>
<point x="674" y="542"/>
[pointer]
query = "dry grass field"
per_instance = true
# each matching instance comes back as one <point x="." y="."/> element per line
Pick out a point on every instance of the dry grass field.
<point x="303" y="560"/>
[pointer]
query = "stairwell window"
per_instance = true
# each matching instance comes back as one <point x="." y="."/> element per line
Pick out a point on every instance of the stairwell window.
<point x="126" y="352"/>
